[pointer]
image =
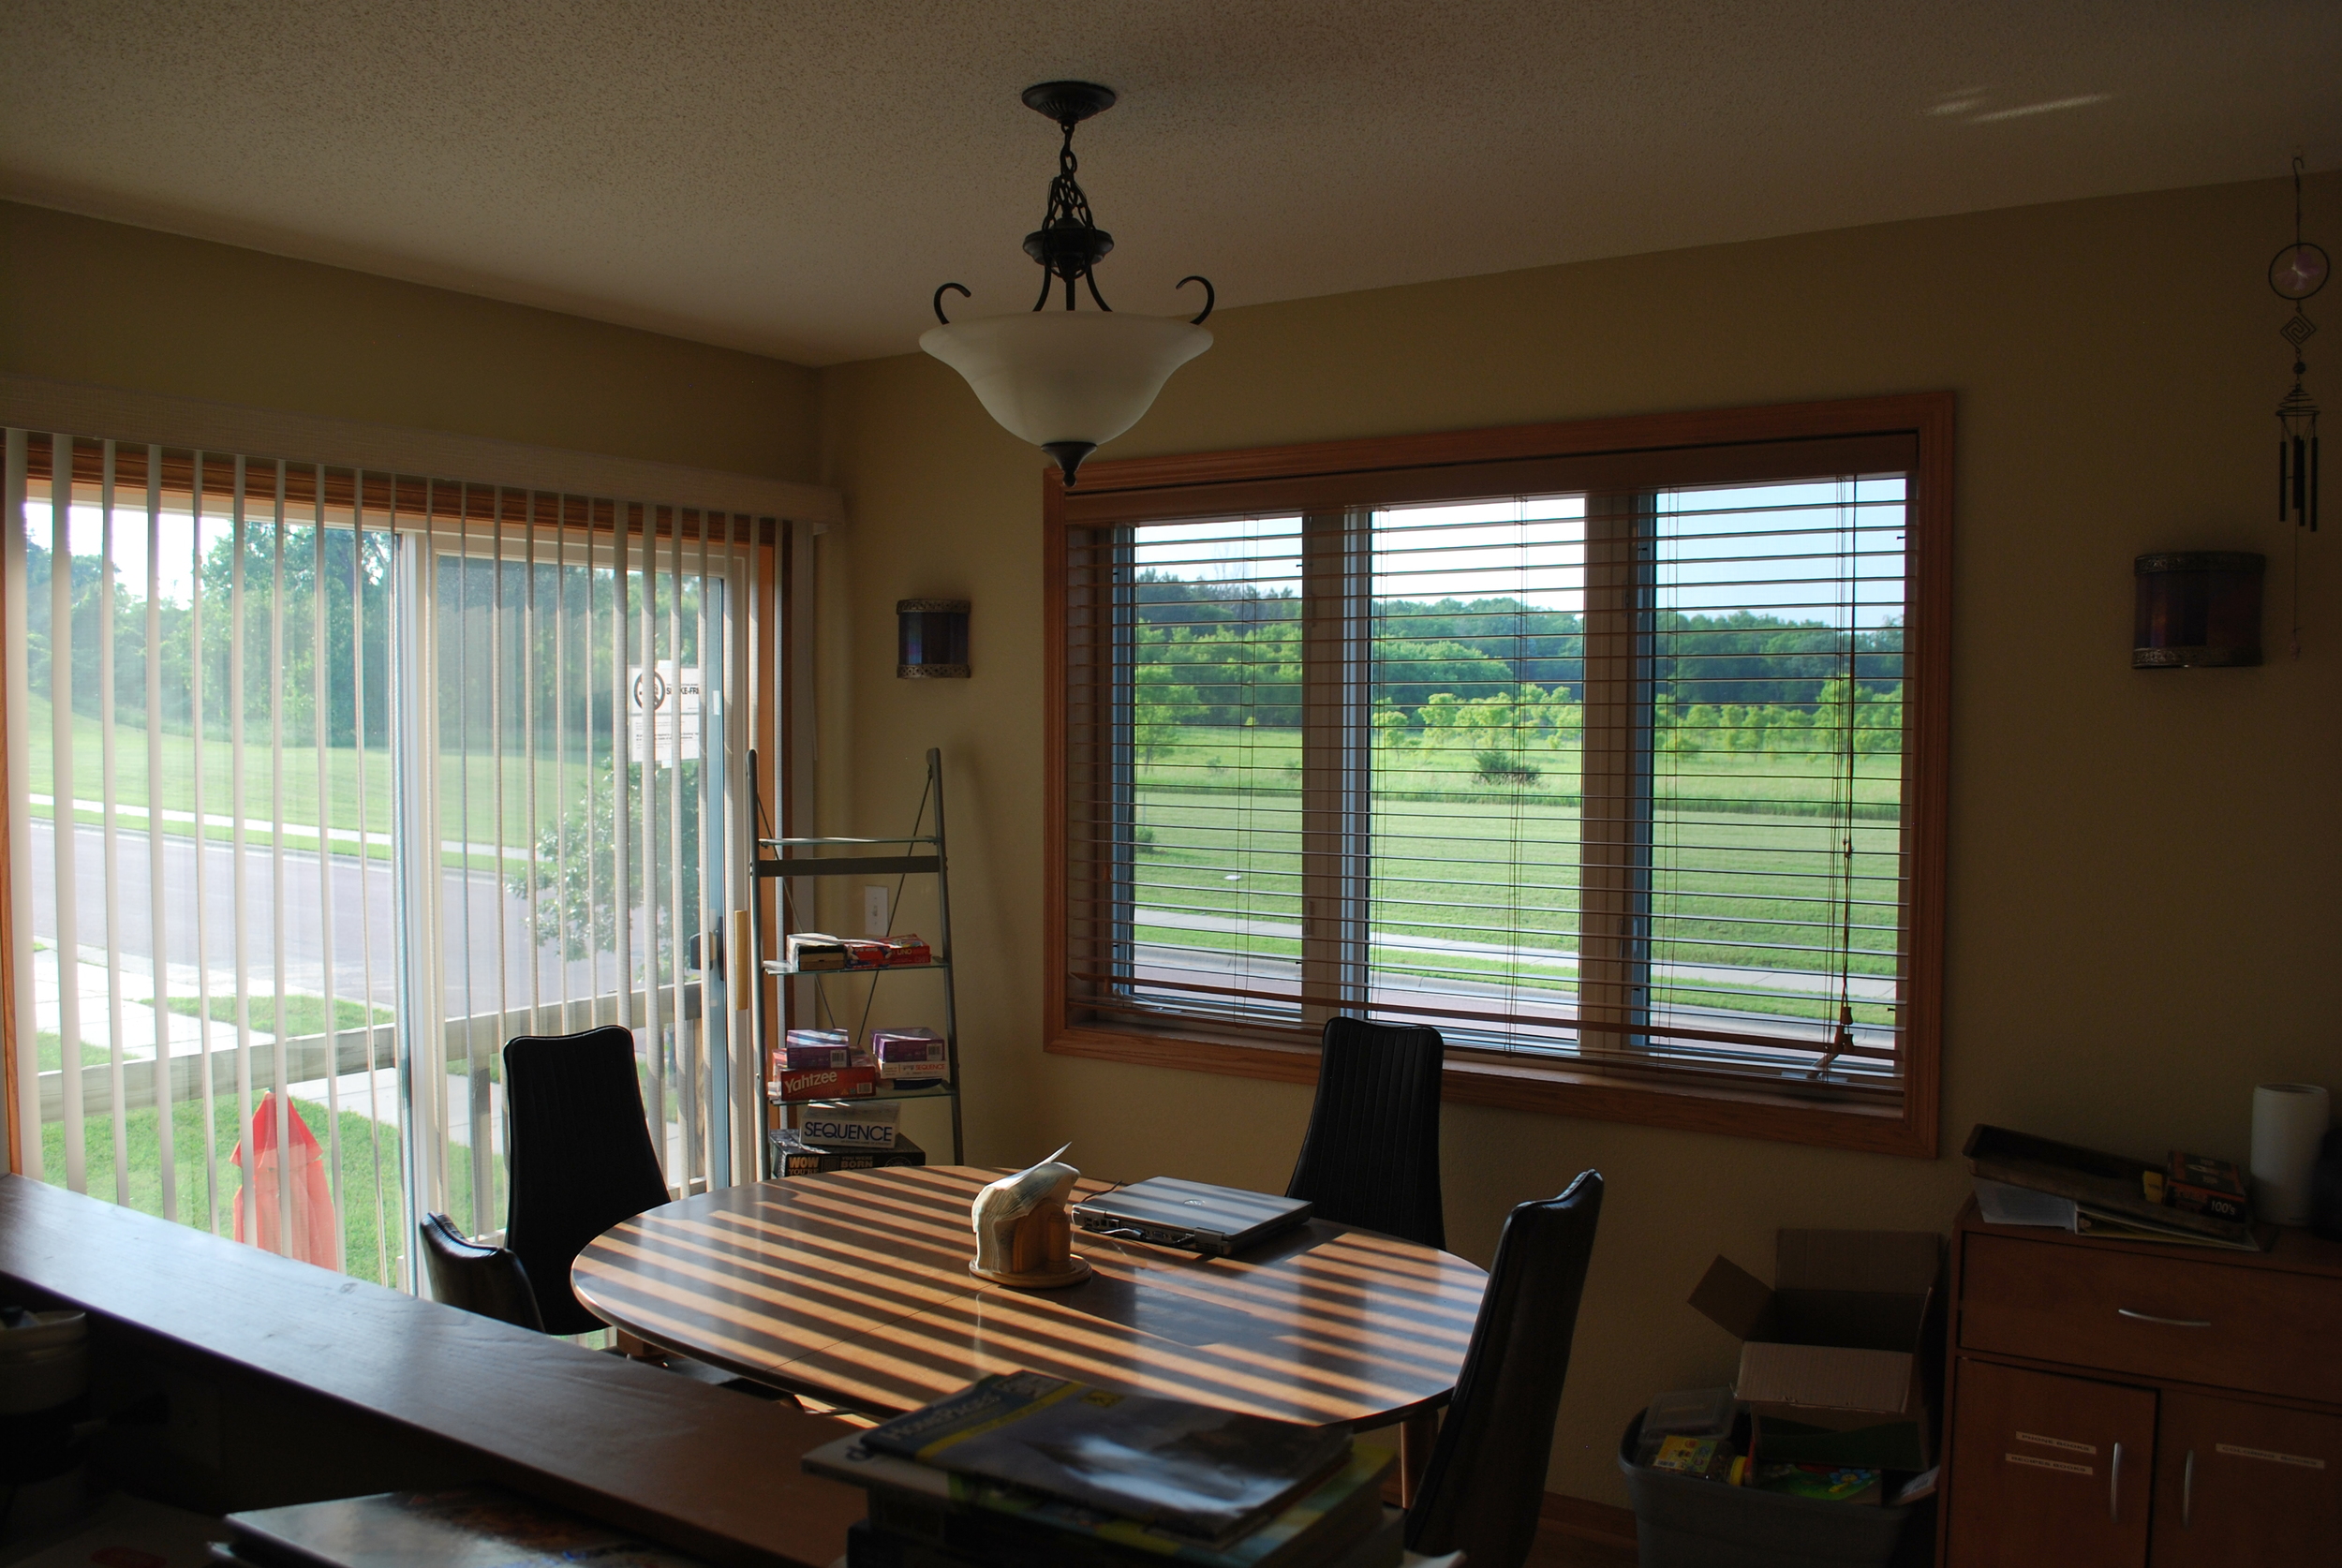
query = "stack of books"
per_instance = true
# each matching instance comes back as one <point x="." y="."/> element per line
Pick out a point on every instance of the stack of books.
<point x="1022" y="1468"/>
<point x="2192" y="1199"/>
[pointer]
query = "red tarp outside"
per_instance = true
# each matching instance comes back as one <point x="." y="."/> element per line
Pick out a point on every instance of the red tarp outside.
<point x="312" y="1238"/>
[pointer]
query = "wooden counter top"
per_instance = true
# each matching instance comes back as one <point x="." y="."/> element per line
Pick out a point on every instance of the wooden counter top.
<point x="707" y="1469"/>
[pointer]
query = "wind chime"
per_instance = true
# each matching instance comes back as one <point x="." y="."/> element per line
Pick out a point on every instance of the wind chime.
<point x="2296" y="272"/>
<point x="2299" y="271"/>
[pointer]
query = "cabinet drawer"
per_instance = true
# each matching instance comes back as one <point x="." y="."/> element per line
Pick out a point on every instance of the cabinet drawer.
<point x="2229" y="1328"/>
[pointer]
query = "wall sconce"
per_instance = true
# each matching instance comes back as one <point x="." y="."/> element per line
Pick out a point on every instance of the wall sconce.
<point x="2198" y="609"/>
<point x="931" y="642"/>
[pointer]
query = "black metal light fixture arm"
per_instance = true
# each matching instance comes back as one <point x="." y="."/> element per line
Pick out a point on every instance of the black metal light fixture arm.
<point x="1069" y="244"/>
<point x="1211" y="295"/>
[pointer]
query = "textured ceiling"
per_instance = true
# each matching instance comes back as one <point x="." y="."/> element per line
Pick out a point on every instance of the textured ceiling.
<point x="796" y="178"/>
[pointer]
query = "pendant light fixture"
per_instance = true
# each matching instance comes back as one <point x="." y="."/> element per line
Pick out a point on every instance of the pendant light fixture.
<point x="1067" y="380"/>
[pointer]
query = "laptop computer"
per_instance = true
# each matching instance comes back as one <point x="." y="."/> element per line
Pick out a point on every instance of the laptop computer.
<point x="1168" y="1212"/>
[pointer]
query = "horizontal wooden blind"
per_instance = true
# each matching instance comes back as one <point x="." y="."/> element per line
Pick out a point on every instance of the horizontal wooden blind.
<point x="1596" y="760"/>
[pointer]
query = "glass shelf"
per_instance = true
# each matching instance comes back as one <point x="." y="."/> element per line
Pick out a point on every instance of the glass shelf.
<point x="782" y="965"/>
<point x="812" y="843"/>
<point x="937" y="1092"/>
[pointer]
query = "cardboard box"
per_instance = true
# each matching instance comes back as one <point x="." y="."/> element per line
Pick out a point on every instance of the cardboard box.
<point x="844" y="1125"/>
<point x="911" y="1057"/>
<point x="815" y="951"/>
<point x="1832" y="1345"/>
<point x="2203" y="1185"/>
<point x="829" y="1083"/>
<point x="793" y="1156"/>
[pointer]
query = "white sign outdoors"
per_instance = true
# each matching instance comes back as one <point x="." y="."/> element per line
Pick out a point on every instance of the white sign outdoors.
<point x="665" y="715"/>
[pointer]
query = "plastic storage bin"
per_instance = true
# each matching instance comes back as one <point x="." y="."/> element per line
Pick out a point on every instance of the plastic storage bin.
<point x="1682" y="1521"/>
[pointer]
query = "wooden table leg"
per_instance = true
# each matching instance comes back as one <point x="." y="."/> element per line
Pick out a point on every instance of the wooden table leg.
<point x="1416" y="1434"/>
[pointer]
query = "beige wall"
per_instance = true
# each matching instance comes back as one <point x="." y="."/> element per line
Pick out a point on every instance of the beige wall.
<point x="83" y="300"/>
<point x="2145" y="867"/>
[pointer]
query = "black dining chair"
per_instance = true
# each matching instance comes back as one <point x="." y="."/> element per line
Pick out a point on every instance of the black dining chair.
<point x="580" y="1156"/>
<point x="1371" y="1156"/>
<point x="489" y="1280"/>
<point x="1482" y="1490"/>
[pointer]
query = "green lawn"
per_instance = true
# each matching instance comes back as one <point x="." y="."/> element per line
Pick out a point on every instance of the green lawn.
<point x="369" y="1173"/>
<point x="474" y="779"/>
<point x="1742" y="846"/>
<point x="307" y="1015"/>
<point x="304" y="1015"/>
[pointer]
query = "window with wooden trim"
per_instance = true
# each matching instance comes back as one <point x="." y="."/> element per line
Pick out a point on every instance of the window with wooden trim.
<point x="1614" y="751"/>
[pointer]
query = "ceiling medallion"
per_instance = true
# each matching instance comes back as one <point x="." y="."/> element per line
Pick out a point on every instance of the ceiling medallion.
<point x="1068" y="381"/>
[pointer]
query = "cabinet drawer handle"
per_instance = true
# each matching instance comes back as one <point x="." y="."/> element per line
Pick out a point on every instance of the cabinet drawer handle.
<point x="2187" y="1492"/>
<point x="2168" y="1323"/>
<point x="2114" y="1486"/>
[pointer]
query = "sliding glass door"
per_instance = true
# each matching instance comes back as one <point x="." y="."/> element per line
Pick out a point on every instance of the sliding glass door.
<point x="322" y="786"/>
<point x="571" y="697"/>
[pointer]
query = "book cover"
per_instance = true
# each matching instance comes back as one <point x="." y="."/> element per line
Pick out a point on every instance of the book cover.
<point x="962" y="1512"/>
<point x="1207" y="1474"/>
<point x="478" y="1527"/>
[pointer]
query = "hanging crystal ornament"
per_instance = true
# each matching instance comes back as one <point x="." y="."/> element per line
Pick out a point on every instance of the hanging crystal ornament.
<point x="1068" y="382"/>
<point x="2296" y="272"/>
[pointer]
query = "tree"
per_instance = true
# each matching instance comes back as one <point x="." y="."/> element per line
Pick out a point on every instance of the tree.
<point x="573" y="903"/>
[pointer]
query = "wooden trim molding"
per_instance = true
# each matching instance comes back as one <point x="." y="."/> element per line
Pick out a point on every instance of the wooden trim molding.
<point x="1922" y="423"/>
<point x="36" y="402"/>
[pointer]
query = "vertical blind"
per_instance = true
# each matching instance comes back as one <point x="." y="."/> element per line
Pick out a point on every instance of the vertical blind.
<point x="1611" y="774"/>
<point x="323" y="783"/>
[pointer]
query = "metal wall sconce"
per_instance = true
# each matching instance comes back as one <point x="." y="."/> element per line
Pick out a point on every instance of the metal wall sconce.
<point x="2198" y="609"/>
<point x="931" y="641"/>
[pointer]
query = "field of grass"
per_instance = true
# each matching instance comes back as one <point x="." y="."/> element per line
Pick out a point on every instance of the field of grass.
<point x="369" y="1174"/>
<point x="460" y="779"/>
<point x="304" y="1015"/>
<point x="1743" y="856"/>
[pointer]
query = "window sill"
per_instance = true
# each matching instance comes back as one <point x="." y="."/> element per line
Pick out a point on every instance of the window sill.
<point x="1553" y="1089"/>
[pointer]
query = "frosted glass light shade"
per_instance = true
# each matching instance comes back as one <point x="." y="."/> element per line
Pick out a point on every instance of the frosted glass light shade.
<point x="1060" y="376"/>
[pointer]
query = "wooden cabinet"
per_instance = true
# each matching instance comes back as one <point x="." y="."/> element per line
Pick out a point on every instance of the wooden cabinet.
<point x="2126" y="1405"/>
<point x="2243" y="1482"/>
<point x="2052" y="1469"/>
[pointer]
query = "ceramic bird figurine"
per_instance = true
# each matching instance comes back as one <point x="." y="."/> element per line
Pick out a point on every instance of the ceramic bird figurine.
<point x="1024" y="1236"/>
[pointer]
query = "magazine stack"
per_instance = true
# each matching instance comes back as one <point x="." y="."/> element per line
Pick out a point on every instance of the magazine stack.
<point x="1022" y="1468"/>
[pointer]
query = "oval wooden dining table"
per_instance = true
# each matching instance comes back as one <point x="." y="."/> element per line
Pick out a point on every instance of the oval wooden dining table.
<point x="852" y="1288"/>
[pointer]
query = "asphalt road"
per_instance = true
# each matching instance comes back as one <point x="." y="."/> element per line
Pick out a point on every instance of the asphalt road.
<point x="479" y="911"/>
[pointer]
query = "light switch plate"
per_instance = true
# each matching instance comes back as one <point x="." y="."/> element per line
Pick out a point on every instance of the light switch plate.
<point x="874" y="921"/>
